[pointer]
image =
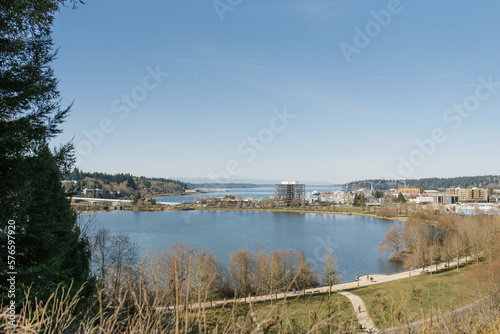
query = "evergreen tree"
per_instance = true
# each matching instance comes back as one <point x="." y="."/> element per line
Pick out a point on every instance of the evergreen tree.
<point x="401" y="198"/>
<point x="359" y="200"/>
<point x="131" y="183"/>
<point x="355" y="201"/>
<point x="49" y="247"/>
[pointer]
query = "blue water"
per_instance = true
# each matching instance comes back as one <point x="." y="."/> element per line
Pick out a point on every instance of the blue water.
<point x="354" y="239"/>
<point x="255" y="193"/>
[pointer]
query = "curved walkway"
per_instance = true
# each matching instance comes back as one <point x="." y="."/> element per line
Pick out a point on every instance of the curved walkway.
<point x="362" y="280"/>
<point x="364" y="318"/>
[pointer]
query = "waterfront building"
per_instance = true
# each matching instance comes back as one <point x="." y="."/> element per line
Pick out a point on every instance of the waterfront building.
<point x="287" y="191"/>
<point x="341" y="196"/>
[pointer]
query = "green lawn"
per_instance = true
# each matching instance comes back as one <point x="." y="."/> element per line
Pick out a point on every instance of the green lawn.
<point x="389" y="304"/>
<point x="296" y="315"/>
<point x="414" y="298"/>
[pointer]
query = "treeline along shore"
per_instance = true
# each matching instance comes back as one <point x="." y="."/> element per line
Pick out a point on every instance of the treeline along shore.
<point x="390" y="211"/>
<point x="349" y="211"/>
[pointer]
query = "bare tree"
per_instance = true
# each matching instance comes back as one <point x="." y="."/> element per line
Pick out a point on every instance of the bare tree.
<point x="241" y="266"/>
<point x="112" y="257"/>
<point x="447" y="252"/>
<point x="87" y="223"/>
<point x="123" y="255"/>
<point x="330" y="276"/>
<point x="262" y="270"/>
<point x="275" y="270"/>
<point x="276" y="276"/>
<point x="490" y="232"/>
<point x="393" y="242"/>
<point x="153" y="274"/>
<point x="472" y="233"/>
<point x="288" y="259"/>
<point x="306" y="276"/>
<point x="435" y="252"/>
<point x="176" y="262"/>
<point x="418" y="257"/>
<point x="100" y="244"/>
<point x="207" y="275"/>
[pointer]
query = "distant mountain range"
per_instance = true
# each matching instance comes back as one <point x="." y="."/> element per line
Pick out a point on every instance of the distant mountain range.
<point x="227" y="185"/>
<point x="181" y="183"/>
<point x="223" y="183"/>
<point x="191" y="182"/>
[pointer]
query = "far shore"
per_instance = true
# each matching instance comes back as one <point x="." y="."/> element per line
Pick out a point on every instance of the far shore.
<point x="155" y="208"/>
<point x="306" y="211"/>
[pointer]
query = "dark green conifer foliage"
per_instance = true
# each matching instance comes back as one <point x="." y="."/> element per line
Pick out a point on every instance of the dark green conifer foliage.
<point x="50" y="249"/>
<point x="401" y="198"/>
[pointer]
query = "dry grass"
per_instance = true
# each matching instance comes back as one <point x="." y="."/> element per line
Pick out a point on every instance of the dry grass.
<point x="138" y="311"/>
<point x="463" y="301"/>
<point x="135" y="309"/>
<point x="55" y="315"/>
<point x="394" y="303"/>
<point x="315" y="314"/>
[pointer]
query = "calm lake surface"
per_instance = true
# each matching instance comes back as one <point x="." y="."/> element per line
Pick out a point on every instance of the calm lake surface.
<point x="354" y="239"/>
<point x="255" y="193"/>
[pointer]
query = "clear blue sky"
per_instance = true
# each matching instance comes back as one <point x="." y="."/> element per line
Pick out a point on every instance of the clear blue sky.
<point x="352" y="119"/>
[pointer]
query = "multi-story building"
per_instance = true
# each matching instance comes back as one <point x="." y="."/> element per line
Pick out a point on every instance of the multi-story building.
<point x="407" y="192"/>
<point x="474" y="195"/>
<point x="341" y="196"/>
<point x="287" y="191"/>
<point x="445" y="199"/>
<point x="422" y="199"/>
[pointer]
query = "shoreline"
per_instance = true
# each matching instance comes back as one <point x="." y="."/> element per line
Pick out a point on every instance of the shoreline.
<point x="360" y="214"/>
<point x="157" y="208"/>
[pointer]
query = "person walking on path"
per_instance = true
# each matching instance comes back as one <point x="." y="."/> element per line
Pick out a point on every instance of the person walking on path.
<point x="363" y="316"/>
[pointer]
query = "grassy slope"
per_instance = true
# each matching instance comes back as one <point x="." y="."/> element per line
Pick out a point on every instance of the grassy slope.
<point x="296" y="315"/>
<point x="414" y="298"/>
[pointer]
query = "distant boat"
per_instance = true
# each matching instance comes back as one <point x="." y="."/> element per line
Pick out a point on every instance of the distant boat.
<point x="315" y="193"/>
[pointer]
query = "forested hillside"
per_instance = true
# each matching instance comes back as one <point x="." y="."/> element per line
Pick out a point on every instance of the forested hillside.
<point x="487" y="181"/>
<point x="122" y="185"/>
